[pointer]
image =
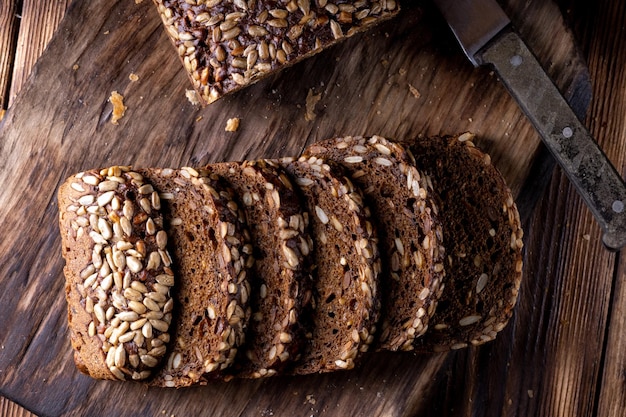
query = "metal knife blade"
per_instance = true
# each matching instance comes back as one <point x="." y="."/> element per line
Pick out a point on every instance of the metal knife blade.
<point x="474" y="23"/>
<point x="485" y="34"/>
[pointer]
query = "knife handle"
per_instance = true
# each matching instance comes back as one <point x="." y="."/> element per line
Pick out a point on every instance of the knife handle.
<point x="585" y="164"/>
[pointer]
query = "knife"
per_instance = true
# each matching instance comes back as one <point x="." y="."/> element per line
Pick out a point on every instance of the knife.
<point x="487" y="38"/>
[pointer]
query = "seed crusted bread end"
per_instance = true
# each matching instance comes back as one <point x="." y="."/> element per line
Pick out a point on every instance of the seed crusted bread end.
<point x="483" y="243"/>
<point x="118" y="273"/>
<point x="346" y="302"/>
<point x="226" y="45"/>
<point x="281" y="282"/>
<point x="211" y="247"/>
<point x="409" y="230"/>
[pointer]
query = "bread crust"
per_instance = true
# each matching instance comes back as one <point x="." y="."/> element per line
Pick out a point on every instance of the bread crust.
<point x="281" y="282"/>
<point x="346" y="301"/>
<point x="210" y="245"/>
<point x="118" y="296"/>
<point x="227" y="45"/>
<point x="410" y="234"/>
<point x="483" y="243"/>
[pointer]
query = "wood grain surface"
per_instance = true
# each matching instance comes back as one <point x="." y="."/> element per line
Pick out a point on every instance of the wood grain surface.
<point x="563" y="353"/>
<point x="8" y="35"/>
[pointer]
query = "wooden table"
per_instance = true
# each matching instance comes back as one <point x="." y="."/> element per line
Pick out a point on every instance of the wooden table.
<point x="573" y="299"/>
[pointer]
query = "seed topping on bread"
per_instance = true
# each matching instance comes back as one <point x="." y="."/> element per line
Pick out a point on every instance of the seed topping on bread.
<point x="277" y="262"/>
<point x="281" y="283"/>
<point x="410" y="234"/>
<point x="225" y="45"/>
<point x="346" y="302"/>
<point x="112" y="220"/>
<point x="212" y="250"/>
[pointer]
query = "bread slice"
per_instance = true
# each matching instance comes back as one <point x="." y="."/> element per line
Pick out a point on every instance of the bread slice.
<point x="226" y="45"/>
<point x="118" y="273"/>
<point x="483" y="243"/>
<point x="281" y="284"/>
<point x="409" y="231"/>
<point x="210" y="245"/>
<point x="346" y="302"/>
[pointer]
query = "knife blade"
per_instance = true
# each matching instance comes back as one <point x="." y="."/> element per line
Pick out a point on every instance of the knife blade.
<point x="487" y="37"/>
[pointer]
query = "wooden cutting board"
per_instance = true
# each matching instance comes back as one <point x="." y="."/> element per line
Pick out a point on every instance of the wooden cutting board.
<point x="403" y="79"/>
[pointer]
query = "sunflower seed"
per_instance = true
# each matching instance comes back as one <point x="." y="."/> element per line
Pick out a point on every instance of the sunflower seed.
<point x="321" y="215"/>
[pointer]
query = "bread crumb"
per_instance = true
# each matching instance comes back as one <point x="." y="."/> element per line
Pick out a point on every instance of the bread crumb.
<point x="117" y="100"/>
<point x="75" y="67"/>
<point x="414" y="91"/>
<point x="192" y="96"/>
<point x="402" y="71"/>
<point x="531" y="393"/>
<point x="585" y="236"/>
<point x="199" y="118"/>
<point x="107" y="32"/>
<point x="2" y="113"/>
<point x="232" y="124"/>
<point x="311" y="101"/>
<point x="133" y="77"/>
<point x="310" y="399"/>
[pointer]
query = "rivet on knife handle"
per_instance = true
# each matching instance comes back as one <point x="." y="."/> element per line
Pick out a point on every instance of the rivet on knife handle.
<point x="570" y="142"/>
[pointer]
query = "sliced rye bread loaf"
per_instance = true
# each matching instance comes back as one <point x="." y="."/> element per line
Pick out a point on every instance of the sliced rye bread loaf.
<point x="210" y="246"/>
<point x="282" y="282"/>
<point x="409" y="231"/>
<point x="483" y="243"/>
<point x="117" y="271"/>
<point x="346" y="302"/>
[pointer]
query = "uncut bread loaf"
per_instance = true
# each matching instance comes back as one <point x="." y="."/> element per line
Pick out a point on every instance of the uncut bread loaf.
<point x="483" y="243"/>
<point x="281" y="283"/>
<point x="346" y="301"/>
<point x="118" y="274"/>
<point x="210" y="245"/>
<point x="409" y="231"/>
<point x="226" y="45"/>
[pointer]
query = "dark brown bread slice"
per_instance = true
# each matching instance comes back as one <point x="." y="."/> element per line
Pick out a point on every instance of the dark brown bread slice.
<point x="226" y="45"/>
<point x="483" y="243"/>
<point x="118" y="273"/>
<point x="210" y="245"/>
<point x="346" y="302"/>
<point x="281" y="283"/>
<point x="409" y="231"/>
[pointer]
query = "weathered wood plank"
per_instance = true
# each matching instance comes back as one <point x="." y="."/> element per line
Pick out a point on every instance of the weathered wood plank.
<point x="563" y="364"/>
<point x="612" y="398"/>
<point x="607" y="54"/>
<point x="562" y="323"/>
<point x="9" y="26"/>
<point x="18" y="25"/>
<point x="39" y="21"/>
<point x="11" y="409"/>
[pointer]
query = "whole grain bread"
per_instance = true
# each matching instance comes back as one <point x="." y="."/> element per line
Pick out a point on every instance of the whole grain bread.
<point x="274" y="264"/>
<point x="118" y="273"/>
<point x="226" y="45"/>
<point x="409" y="231"/>
<point x="210" y="246"/>
<point x="346" y="302"/>
<point x="281" y="283"/>
<point x="483" y="243"/>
